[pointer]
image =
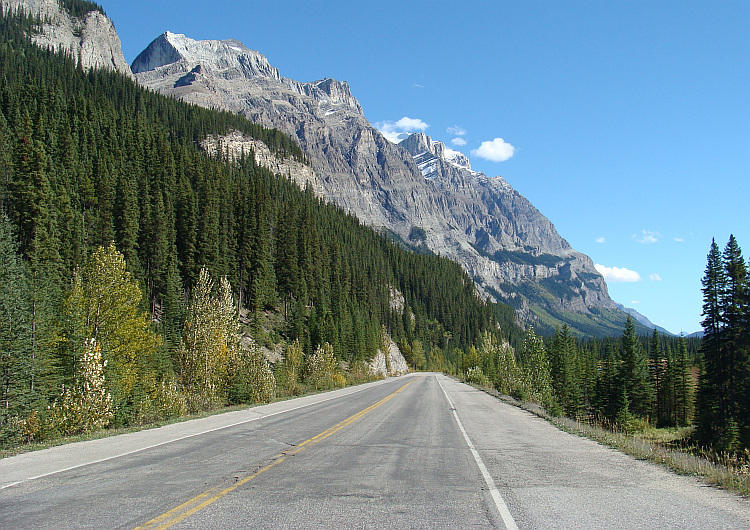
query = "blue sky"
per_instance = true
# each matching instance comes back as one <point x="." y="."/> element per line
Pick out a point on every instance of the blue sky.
<point x="628" y="122"/>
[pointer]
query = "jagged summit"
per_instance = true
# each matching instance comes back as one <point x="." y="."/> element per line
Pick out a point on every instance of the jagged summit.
<point x="216" y="55"/>
<point x="418" y="186"/>
<point x="429" y="153"/>
<point x="229" y="70"/>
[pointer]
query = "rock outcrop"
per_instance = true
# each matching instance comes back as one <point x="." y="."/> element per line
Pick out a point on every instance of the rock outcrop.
<point x="90" y="40"/>
<point x="389" y="363"/>
<point x="419" y="190"/>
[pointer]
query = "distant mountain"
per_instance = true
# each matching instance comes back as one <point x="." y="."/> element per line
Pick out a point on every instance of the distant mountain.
<point x="419" y="191"/>
<point x="643" y="320"/>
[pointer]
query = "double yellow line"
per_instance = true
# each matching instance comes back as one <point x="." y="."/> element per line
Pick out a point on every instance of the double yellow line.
<point x="197" y="503"/>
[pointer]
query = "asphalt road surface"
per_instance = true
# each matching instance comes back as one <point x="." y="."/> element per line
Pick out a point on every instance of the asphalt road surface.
<point x="419" y="451"/>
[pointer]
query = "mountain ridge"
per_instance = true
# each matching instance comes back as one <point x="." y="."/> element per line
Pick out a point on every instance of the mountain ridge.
<point x="512" y="251"/>
<point x="418" y="186"/>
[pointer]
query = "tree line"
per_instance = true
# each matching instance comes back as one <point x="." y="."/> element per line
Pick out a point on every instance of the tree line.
<point x="626" y="382"/>
<point x="142" y="276"/>
<point x="724" y="395"/>
<point x="666" y="381"/>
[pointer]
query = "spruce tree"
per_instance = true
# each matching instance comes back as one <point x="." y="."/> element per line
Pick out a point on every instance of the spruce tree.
<point x="634" y="372"/>
<point x="16" y="395"/>
<point x="712" y="396"/>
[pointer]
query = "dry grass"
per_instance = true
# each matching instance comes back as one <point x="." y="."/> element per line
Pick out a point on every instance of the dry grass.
<point x="725" y="470"/>
<point x="667" y="447"/>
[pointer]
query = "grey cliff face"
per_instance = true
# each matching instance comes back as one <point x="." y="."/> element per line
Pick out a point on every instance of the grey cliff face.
<point x="481" y="222"/>
<point x="91" y="40"/>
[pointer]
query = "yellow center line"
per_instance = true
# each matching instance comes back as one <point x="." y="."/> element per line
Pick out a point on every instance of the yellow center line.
<point x="197" y="503"/>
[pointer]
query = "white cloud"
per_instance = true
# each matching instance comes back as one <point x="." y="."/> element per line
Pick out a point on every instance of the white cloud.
<point x="600" y="240"/>
<point x="497" y="150"/>
<point x="654" y="277"/>
<point x="617" y="274"/>
<point x="456" y="131"/>
<point x="648" y="237"/>
<point x="679" y="240"/>
<point x="459" y="142"/>
<point x="395" y="131"/>
<point x="635" y="302"/>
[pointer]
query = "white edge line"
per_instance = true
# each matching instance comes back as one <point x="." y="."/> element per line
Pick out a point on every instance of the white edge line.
<point x="510" y="523"/>
<point x="181" y="438"/>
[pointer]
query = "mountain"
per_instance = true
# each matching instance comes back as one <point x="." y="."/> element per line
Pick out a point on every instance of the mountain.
<point x="644" y="320"/>
<point x="419" y="191"/>
<point x="89" y="37"/>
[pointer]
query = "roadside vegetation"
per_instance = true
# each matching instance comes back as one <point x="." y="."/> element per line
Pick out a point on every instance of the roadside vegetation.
<point x="143" y="278"/>
<point x="684" y="403"/>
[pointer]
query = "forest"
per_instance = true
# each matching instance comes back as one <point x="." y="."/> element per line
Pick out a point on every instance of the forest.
<point x="143" y="278"/>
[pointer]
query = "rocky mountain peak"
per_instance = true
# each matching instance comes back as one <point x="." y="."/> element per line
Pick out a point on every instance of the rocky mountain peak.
<point x="429" y="154"/>
<point x="90" y="40"/>
<point x="332" y="92"/>
<point x="222" y="57"/>
<point x="419" y="191"/>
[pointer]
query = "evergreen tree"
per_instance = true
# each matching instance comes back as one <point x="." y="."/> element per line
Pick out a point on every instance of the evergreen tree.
<point x="734" y="310"/>
<point x="565" y="377"/>
<point x="634" y="373"/>
<point x="722" y="400"/>
<point x="683" y="385"/>
<point x="15" y="335"/>
<point x="712" y="399"/>
<point x="658" y="366"/>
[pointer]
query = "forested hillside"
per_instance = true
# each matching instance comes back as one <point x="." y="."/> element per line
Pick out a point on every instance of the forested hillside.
<point x="128" y="253"/>
<point x="142" y="277"/>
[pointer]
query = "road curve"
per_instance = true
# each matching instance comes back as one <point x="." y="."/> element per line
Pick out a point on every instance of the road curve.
<point x="419" y="451"/>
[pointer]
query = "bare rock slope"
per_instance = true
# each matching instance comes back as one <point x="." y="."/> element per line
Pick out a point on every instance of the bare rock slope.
<point x="418" y="190"/>
<point x="90" y="40"/>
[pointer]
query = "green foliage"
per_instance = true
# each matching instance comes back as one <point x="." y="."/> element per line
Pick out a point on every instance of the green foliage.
<point x="724" y="394"/>
<point x="103" y="304"/>
<point x="475" y="376"/>
<point x="16" y="349"/>
<point x="251" y="379"/>
<point x="537" y="372"/>
<point x="117" y="220"/>
<point x="634" y="373"/>
<point x="289" y="374"/>
<point x="321" y="369"/>
<point x="210" y="343"/>
<point x="78" y="8"/>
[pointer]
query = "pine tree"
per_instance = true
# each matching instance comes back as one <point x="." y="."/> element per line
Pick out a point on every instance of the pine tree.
<point x="565" y="377"/>
<point x="723" y="407"/>
<point x="683" y="385"/>
<point x="658" y="366"/>
<point x="634" y="373"/>
<point x="712" y="398"/>
<point x="734" y="310"/>
<point x="16" y="396"/>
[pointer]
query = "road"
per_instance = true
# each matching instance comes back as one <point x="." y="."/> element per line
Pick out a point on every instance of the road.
<point x="419" y="451"/>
